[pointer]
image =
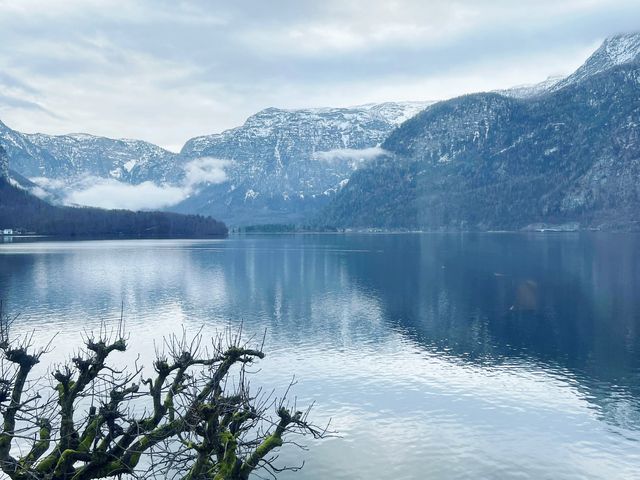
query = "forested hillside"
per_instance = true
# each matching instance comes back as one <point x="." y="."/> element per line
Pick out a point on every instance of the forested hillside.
<point x="486" y="161"/>
<point x="20" y="210"/>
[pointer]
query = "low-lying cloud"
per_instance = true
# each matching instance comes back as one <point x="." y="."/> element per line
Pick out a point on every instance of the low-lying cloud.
<point x="110" y="193"/>
<point x="349" y="154"/>
<point x="206" y="170"/>
<point x="48" y="183"/>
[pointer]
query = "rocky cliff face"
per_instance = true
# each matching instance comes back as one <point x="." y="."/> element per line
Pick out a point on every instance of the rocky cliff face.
<point x="487" y="161"/>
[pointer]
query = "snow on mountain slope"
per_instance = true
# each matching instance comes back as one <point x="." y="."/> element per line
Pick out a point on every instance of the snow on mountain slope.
<point x="285" y="163"/>
<point x="531" y="90"/>
<point x="616" y="50"/>
<point x="24" y="156"/>
<point x="132" y="161"/>
<point x="345" y="126"/>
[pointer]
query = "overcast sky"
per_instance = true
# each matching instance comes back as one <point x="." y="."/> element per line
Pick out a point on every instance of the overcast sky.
<point x="165" y="71"/>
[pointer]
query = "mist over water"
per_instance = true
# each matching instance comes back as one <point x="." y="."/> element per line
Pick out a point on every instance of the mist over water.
<point x="436" y="356"/>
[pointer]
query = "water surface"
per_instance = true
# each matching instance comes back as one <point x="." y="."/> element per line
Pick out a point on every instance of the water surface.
<point x="437" y="356"/>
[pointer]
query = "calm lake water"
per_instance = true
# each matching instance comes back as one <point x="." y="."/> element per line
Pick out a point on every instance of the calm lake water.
<point x="484" y="356"/>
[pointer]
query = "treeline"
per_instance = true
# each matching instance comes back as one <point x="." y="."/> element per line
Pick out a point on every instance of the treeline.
<point x="21" y="210"/>
<point x="268" y="228"/>
<point x="284" y="228"/>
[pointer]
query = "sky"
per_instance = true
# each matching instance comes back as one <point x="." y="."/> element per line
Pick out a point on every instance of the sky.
<point x="166" y="71"/>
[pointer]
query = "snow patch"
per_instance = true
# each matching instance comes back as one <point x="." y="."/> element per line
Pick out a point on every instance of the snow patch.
<point x="622" y="48"/>
<point x="251" y="194"/>
<point x="128" y="166"/>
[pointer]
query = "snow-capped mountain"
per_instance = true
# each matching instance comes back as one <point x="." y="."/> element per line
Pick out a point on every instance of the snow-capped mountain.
<point x="67" y="157"/>
<point x="570" y="155"/>
<point x="321" y="129"/>
<point x="284" y="164"/>
<point x="131" y="161"/>
<point x="25" y="156"/>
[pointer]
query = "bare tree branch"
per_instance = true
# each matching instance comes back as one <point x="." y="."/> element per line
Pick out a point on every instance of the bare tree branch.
<point x="192" y="419"/>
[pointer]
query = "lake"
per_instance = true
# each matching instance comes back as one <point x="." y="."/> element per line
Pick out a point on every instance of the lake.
<point x="437" y="356"/>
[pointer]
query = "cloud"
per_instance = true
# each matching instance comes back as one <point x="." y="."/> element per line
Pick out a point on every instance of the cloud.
<point x="206" y="170"/>
<point x="41" y="193"/>
<point x="349" y="154"/>
<point x="167" y="71"/>
<point x="8" y="101"/>
<point x="49" y="183"/>
<point x="110" y="193"/>
<point x="8" y="81"/>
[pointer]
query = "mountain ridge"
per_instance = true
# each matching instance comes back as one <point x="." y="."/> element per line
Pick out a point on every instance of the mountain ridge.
<point x="615" y="50"/>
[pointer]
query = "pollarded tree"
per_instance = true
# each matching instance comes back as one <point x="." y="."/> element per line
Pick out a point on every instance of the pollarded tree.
<point x="193" y="419"/>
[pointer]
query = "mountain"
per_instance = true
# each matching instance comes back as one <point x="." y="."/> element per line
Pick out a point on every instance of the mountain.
<point x="353" y="127"/>
<point x="490" y="161"/>
<point x="376" y="164"/>
<point x="11" y="176"/>
<point x="67" y="157"/>
<point x="283" y="165"/>
<point x="25" y="156"/>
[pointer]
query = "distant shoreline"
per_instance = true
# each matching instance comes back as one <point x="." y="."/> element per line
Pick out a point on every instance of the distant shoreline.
<point x="71" y="238"/>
